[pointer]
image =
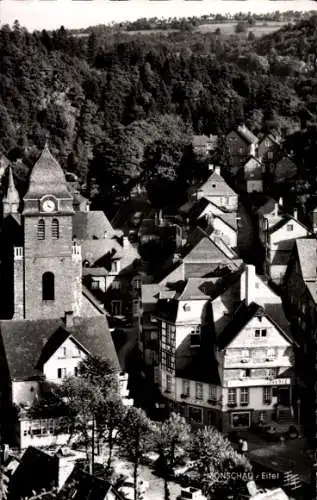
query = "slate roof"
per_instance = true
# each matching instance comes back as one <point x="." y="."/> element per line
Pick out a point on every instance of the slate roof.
<point x="285" y="219"/>
<point x="47" y="177"/>
<point x="37" y="470"/>
<point x="12" y="195"/>
<point x="307" y="256"/>
<point x="97" y="251"/>
<point x="201" y="368"/>
<point x="91" y="225"/>
<point x="94" y="271"/>
<point x="312" y="288"/>
<point x="215" y="185"/>
<point x="243" y="314"/>
<point x="201" y="248"/>
<point x="230" y="219"/>
<point x="81" y="485"/>
<point x="246" y="134"/>
<point x="23" y="342"/>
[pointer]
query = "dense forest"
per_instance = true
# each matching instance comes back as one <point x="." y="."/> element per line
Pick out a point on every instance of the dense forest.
<point x="118" y="108"/>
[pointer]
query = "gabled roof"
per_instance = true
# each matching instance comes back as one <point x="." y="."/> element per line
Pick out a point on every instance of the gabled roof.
<point x="37" y="471"/>
<point x="307" y="257"/>
<point x="215" y="185"/>
<point x="96" y="252"/>
<point x="240" y="319"/>
<point x="192" y="291"/>
<point x="285" y="219"/>
<point x="228" y="218"/>
<point x="246" y="134"/>
<point x="91" y="225"/>
<point x="202" y="249"/>
<point x="81" y="485"/>
<point x="47" y="177"/>
<point x="23" y="342"/>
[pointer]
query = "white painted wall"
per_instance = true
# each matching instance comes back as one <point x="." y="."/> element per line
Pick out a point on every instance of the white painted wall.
<point x="68" y="356"/>
<point x="247" y="339"/>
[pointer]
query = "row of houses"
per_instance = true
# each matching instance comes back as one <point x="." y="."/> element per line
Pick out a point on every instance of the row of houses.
<point x="253" y="161"/>
<point x="212" y="331"/>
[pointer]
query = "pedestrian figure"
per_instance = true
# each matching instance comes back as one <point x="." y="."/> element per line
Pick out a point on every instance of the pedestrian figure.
<point x="244" y="447"/>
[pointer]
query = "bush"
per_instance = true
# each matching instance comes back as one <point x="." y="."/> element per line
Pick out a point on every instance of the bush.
<point x="241" y="27"/>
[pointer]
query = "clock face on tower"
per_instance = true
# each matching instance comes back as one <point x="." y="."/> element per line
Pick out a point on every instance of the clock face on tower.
<point x="48" y="204"/>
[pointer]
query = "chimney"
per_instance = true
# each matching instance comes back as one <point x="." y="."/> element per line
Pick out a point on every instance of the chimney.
<point x="69" y="319"/>
<point x="280" y="202"/>
<point x="217" y="170"/>
<point x="295" y="213"/>
<point x="275" y="213"/>
<point x="125" y="241"/>
<point x="252" y="149"/>
<point x="249" y="284"/>
<point x="210" y="167"/>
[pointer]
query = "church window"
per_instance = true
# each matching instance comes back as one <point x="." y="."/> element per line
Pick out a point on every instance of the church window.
<point x="48" y="286"/>
<point x="41" y="230"/>
<point x="55" y="229"/>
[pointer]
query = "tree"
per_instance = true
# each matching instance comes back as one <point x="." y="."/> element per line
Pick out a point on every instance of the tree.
<point x="136" y="435"/>
<point x="110" y="415"/>
<point x="172" y="433"/>
<point x="213" y="454"/>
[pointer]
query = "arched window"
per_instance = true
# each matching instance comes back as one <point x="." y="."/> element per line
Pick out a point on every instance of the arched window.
<point x="55" y="229"/>
<point x="48" y="286"/>
<point x="41" y="230"/>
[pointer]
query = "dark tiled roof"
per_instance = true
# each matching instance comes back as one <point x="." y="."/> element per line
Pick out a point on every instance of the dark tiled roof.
<point x="201" y="369"/>
<point x="91" y="225"/>
<point x="47" y="177"/>
<point x="24" y="342"/>
<point x="37" y="470"/>
<point x="82" y="486"/>
<point x="241" y="317"/>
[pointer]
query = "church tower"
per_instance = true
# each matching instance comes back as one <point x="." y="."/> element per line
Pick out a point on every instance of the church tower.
<point x="48" y="269"/>
<point x="11" y="201"/>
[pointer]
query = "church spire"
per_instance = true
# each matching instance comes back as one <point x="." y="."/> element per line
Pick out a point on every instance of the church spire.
<point x="11" y="201"/>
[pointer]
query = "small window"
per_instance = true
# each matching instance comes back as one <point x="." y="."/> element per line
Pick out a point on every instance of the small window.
<point x="257" y="284"/>
<point x="212" y="392"/>
<point x="270" y="155"/>
<point x="41" y="230"/>
<point x="289" y="227"/>
<point x="244" y="396"/>
<point x="186" y="388"/>
<point x="168" y="383"/>
<point x="257" y="333"/>
<point x="61" y="372"/>
<point x="115" y="285"/>
<point x="267" y="395"/>
<point x="195" y="336"/>
<point x="114" y="266"/>
<point x="199" y="391"/>
<point x="76" y="371"/>
<point x="232" y="396"/>
<point x="55" y="229"/>
<point x="186" y="307"/>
